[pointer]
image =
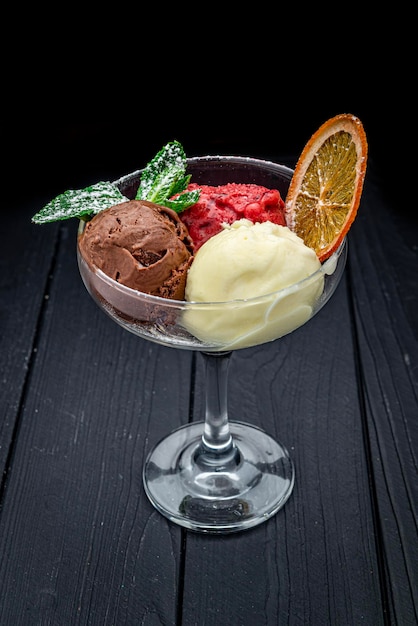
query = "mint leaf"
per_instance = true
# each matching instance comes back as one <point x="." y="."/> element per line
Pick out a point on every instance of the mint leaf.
<point x="165" y="176"/>
<point x="81" y="203"/>
<point x="183" y="201"/>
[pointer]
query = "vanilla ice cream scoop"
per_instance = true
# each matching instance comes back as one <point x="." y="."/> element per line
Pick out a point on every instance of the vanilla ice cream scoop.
<point x="264" y="264"/>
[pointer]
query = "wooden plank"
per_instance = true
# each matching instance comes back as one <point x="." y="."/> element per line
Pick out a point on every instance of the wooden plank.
<point x="79" y="541"/>
<point x="315" y="562"/>
<point x="385" y="254"/>
<point x="26" y="259"/>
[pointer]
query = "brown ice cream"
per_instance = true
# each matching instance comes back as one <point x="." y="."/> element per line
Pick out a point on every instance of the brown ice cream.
<point x="141" y="245"/>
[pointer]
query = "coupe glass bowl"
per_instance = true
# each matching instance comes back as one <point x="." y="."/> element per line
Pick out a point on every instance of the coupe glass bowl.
<point x="217" y="476"/>
<point x="216" y="326"/>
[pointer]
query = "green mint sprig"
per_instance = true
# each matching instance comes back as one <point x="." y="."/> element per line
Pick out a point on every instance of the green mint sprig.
<point x="183" y="201"/>
<point x="163" y="177"/>
<point x="80" y="203"/>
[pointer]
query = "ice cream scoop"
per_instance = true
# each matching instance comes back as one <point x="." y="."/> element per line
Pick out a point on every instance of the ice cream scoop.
<point x="263" y="262"/>
<point x="141" y="245"/>
<point x="224" y="204"/>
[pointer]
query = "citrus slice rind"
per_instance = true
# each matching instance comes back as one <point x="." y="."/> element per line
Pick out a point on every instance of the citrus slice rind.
<point x="326" y="187"/>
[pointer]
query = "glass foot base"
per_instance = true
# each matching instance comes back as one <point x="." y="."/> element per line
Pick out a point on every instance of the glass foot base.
<point x="212" y="494"/>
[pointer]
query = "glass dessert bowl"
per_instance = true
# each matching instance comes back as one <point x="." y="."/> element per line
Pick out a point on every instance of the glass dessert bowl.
<point x="217" y="475"/>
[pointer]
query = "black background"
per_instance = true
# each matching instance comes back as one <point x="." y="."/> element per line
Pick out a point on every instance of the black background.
<point x="92" y="102"/>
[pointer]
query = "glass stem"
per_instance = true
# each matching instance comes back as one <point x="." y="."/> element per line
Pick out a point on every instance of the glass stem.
<point x="216" y="438"/>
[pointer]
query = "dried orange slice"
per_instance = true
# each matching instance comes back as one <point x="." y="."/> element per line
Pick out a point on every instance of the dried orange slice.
<point x="326" y="187"/>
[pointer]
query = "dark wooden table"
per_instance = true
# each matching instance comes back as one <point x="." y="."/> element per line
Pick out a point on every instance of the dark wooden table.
<point x="82" y="401"/>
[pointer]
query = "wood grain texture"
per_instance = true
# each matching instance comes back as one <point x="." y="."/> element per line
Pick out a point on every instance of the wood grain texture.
<point x="26" y="258"/>
<point x="85" y="541"/>
<point x="385" y="254"/>
<point x="82" y="401"/>
<point x="292" y="569"/>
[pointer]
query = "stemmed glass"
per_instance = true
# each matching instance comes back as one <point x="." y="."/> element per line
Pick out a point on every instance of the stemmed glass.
<point x="217" y="475"/>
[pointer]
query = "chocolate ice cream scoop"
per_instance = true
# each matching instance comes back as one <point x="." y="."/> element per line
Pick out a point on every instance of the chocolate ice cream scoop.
<point x="142" y="245"/>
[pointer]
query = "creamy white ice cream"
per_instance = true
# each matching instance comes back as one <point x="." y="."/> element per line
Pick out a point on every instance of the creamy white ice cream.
<point x="243" y="262"/>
